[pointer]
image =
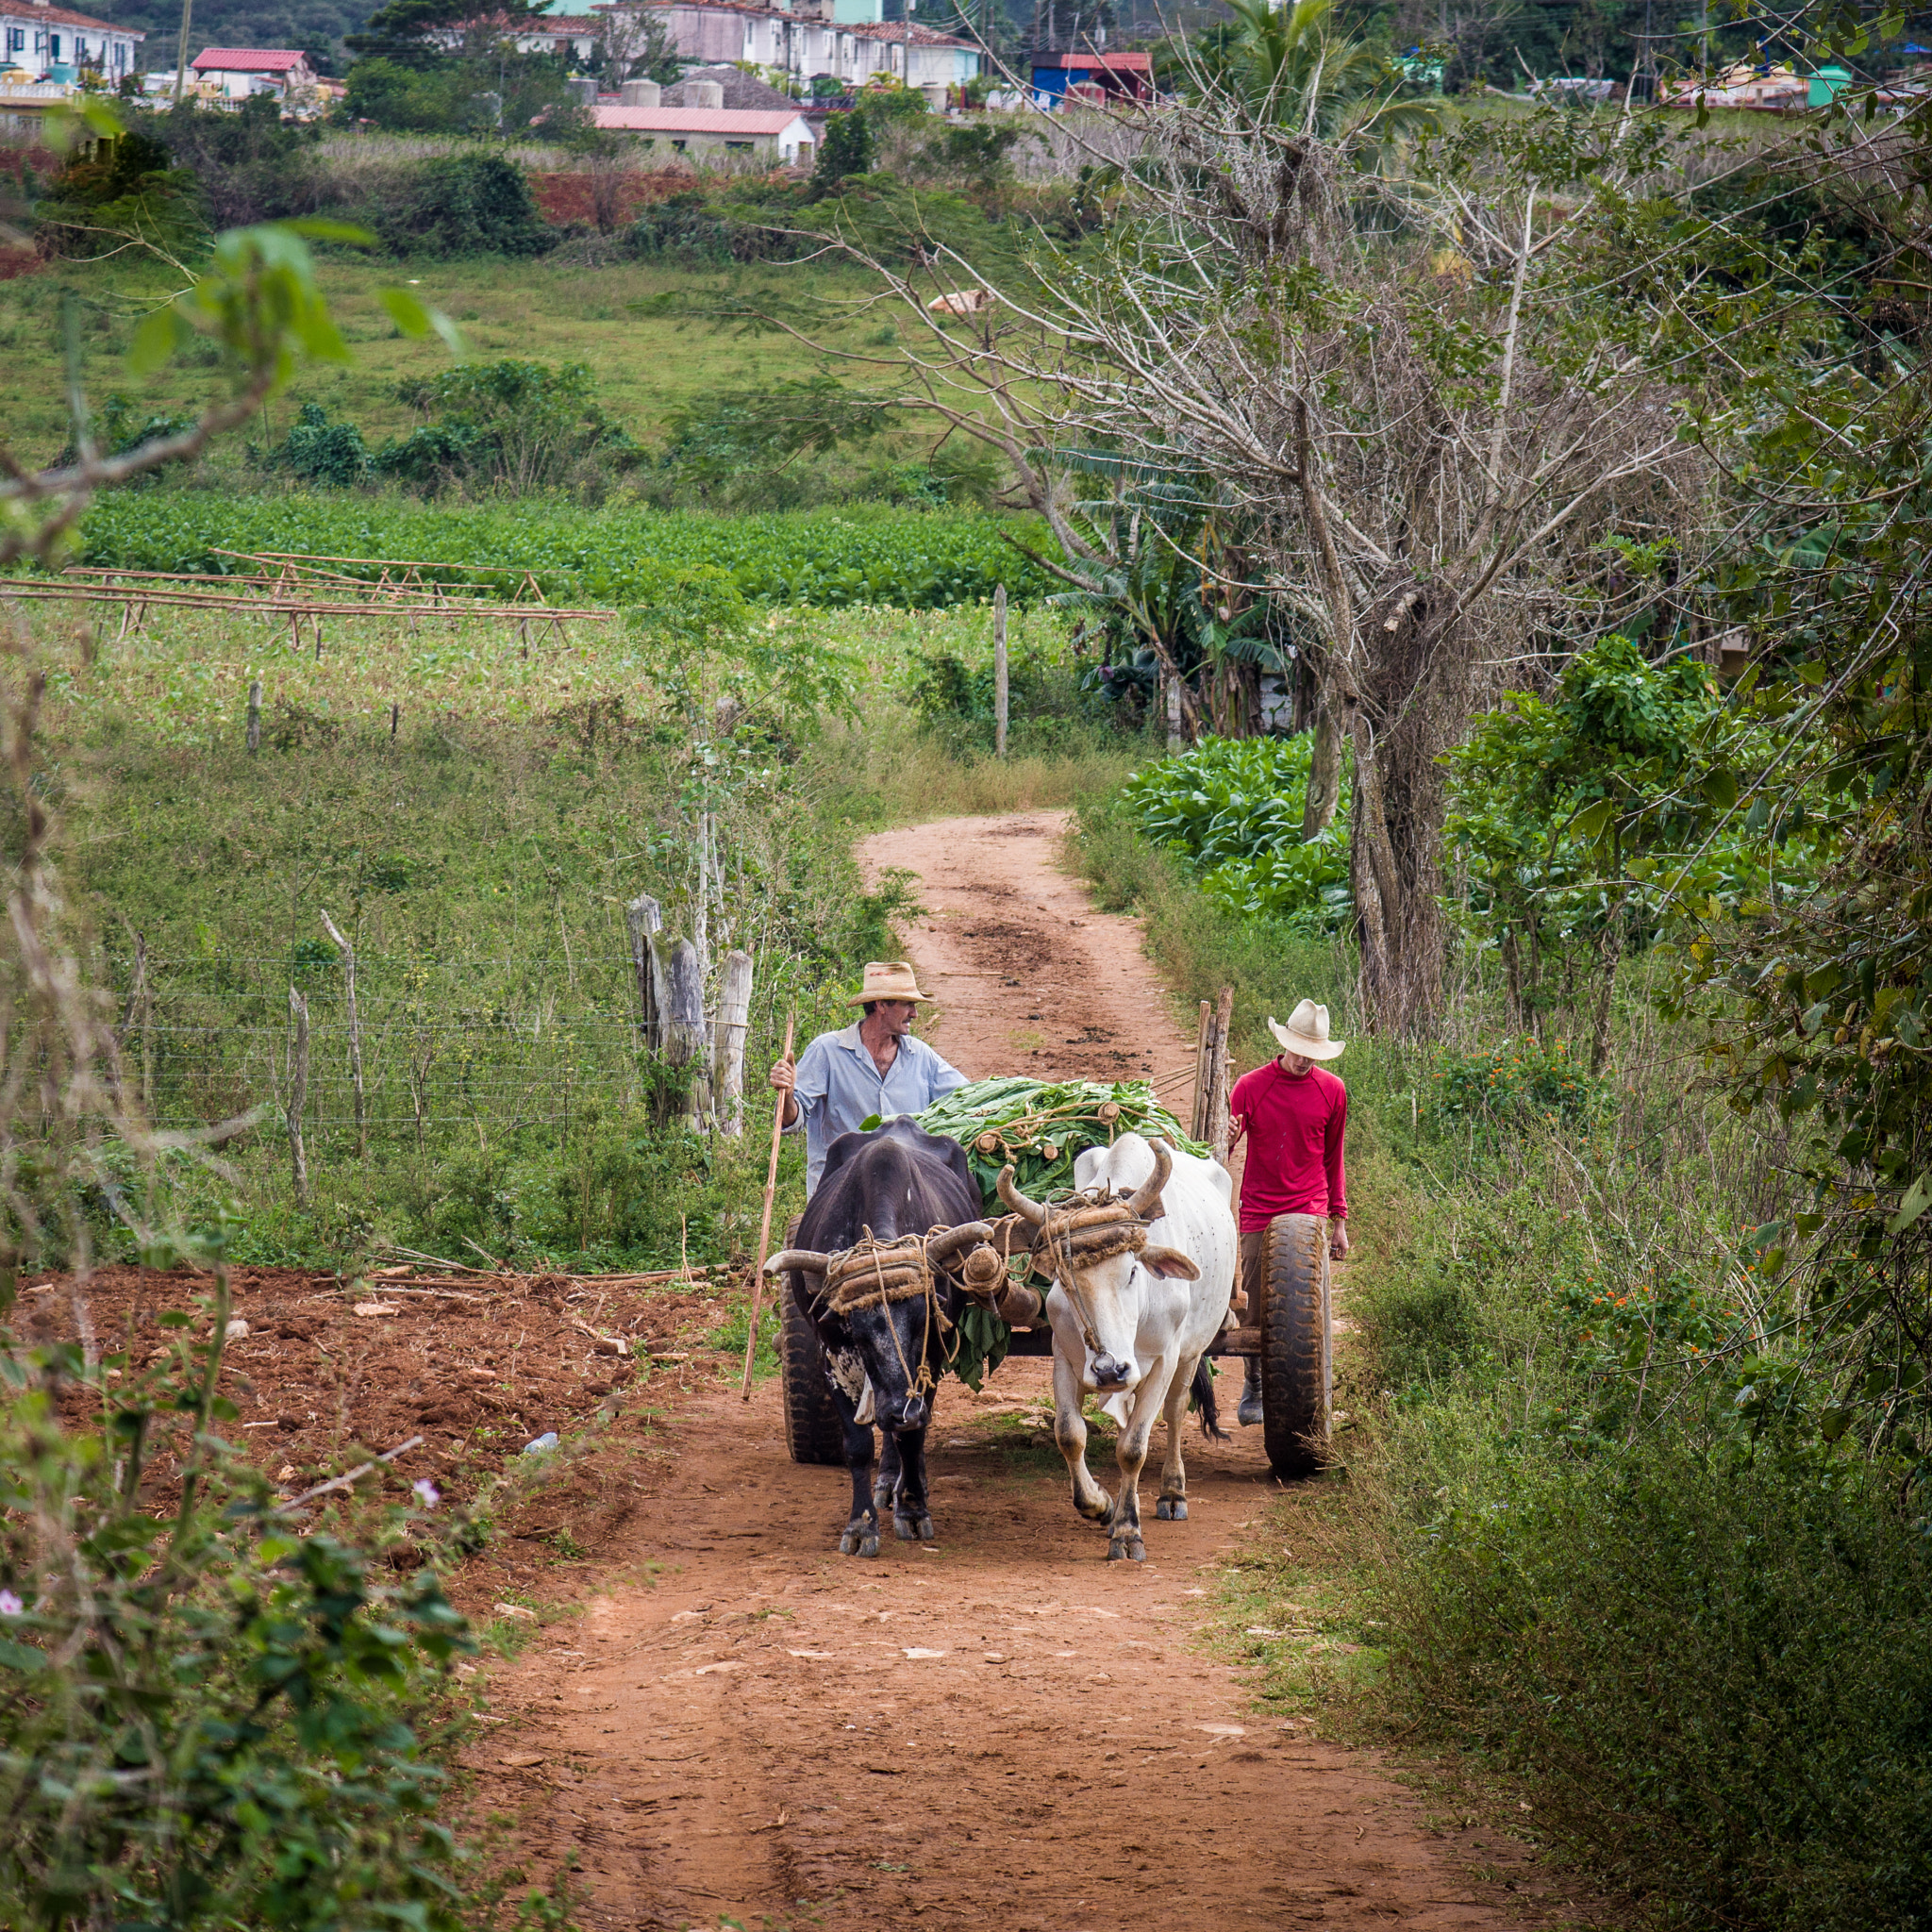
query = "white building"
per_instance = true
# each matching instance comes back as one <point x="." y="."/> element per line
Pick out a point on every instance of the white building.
<point x="844" y="40"/>
<point x="232" y="74"/>
<point x="713" y="133"/>
<point x="54" y="43"/>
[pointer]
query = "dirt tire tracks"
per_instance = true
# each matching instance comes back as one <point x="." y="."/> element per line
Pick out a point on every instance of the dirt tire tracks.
<point x="1000" y="1729"/>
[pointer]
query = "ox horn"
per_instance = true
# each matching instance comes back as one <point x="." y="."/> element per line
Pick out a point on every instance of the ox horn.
<point x="1010" y="1194"/>
<point x="964" y="1236"/>
<point x="798" y="1261"/>
<point x="1147" y="1195"/>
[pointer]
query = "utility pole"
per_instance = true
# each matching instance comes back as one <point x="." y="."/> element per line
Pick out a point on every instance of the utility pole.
<point x="181" y="52"/>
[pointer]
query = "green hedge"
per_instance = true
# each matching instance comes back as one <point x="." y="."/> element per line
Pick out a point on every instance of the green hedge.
<point x="916" y="560"/>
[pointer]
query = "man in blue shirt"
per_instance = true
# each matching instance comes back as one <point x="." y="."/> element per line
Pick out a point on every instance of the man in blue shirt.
<point x="876" y="1067"/>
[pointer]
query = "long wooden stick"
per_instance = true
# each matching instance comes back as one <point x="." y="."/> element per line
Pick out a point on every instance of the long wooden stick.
<point x="757" y="1279"/>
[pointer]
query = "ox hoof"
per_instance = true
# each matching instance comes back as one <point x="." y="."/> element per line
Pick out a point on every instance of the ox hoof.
<point x="848" y="1544"/>
<point x="1128" y="1547"/>
<point x="882" y="1498"/>
<point x="913" y="1529"/>
<point x="1172" y="1509"/>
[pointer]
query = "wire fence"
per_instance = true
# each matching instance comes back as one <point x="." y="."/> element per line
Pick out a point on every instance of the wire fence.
<point x="490" y="1043"/>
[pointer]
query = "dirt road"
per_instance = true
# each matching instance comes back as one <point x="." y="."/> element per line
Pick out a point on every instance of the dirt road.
<point x="997" y="1730"/>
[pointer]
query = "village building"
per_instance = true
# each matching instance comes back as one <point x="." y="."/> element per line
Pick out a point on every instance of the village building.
<point x="233" y="74"/>
<point x="56" y="46"/>
<point x="770" y="135"/>
<point x="1059" y="78"/>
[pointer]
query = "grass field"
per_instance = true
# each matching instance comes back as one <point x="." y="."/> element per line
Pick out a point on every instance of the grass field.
<point x="538" y="310"/>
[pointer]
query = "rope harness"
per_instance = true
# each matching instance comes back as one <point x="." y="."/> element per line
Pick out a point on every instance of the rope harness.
<point x="871" y="1273"/>
<point x="1080" y="1232"/>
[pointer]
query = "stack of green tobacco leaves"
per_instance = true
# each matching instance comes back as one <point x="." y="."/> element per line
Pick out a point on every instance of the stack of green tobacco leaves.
<point x="1038" y="1128"/>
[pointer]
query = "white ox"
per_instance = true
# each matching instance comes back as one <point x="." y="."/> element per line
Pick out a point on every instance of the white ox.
<point x="1132" y="1328"/>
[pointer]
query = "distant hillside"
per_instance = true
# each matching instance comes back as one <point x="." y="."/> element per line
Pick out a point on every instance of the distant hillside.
<point x="317" y="25"/>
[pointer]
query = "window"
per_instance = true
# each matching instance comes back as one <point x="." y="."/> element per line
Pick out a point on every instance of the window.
<point x="739" y="146"/>
<point x="16" y="39"/>
<point x="54" y="46"/>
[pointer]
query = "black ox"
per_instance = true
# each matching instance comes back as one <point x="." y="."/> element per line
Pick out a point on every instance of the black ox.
<point x="883" y="1362"/>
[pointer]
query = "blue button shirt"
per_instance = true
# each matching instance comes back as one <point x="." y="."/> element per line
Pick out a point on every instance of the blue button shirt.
<point x="838" y="1088"/>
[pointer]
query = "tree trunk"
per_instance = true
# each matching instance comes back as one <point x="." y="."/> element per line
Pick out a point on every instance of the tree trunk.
<point x="1325" y="765"/>
<point x="1392" y="867"/>
<point x="728" y="1040"/>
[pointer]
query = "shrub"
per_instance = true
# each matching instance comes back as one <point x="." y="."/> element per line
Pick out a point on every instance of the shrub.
<point x="319" y="451"/>
<point x="516" y="426"/>
<point x="1517" y="1080"/>
<point x="847" y="149"/>
<point x="465" y="205"/>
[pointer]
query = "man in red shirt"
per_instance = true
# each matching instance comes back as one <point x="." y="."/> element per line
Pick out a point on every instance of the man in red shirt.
<point x="1295" y="1116"/>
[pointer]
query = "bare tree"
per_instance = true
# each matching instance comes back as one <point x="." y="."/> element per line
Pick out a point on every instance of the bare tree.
<point x="1400" y="373"/>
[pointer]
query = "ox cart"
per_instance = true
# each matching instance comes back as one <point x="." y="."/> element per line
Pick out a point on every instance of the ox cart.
<point x="1290" y="1332"/>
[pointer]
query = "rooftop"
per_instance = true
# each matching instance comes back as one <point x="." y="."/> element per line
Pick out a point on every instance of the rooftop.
<point x="63" y="16"/>
<point x="724" y="121"/>
<point x="247" y="60"/>
<point x="1119" y="63"/>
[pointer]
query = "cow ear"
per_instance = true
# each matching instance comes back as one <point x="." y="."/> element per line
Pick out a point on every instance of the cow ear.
<point x="1170" y="1264"/>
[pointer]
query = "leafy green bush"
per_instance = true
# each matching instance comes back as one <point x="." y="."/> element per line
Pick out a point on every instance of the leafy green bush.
<point x="331" y="454"/>
<point x="1515" y="1080"/>
<point x="1233" y="808"/>
<point x="855" y="556"/>
<point x="519" y="426"/>
<point x="204" y="1710"/>
<point x="465" y="205"/>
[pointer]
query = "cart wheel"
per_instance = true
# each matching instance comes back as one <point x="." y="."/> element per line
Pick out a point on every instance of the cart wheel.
<point x="813" y="1430"/>
<point x="1296" y="1344"/>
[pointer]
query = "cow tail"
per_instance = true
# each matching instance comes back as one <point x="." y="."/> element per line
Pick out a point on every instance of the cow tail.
<point x="1202" y="1392"/>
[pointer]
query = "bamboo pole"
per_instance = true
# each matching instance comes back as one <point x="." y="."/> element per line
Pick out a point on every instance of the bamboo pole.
<point x="757" y="1279"/>
<point x="999" y="671"/>
<point x="348" y="953"/>
<point x="298" y="1091"/>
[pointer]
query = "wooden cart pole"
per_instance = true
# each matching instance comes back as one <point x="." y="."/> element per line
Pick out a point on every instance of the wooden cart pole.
<point x="757" y="1279"/>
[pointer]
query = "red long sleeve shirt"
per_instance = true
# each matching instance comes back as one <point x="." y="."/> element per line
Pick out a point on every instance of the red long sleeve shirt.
<point x="1296" y="1124"/>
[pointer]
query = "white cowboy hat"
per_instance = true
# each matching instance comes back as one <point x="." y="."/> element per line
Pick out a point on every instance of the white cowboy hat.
<point x="1306" y="1032"/>
<point x="889" y="979"/>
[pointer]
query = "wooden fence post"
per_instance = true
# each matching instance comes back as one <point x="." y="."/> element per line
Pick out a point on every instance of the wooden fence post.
<point x="681" y="992"/>
<point x="1173" y="712"/>
<point x="728" y="1040"/>
<point x="298" y="1091"/>
<point x="643" y="916"/>
<point x="1203" y="1079"/>
<point x="999" y="671"/>
<point x="348" y="953"/>
<point x="1218" y="1124"/>
<point x="255" y="714"/>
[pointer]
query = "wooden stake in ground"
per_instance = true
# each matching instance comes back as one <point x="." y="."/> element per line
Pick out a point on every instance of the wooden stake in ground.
<point x="999" y="671"/>
<point x="298" y="1090"/>
<point x="757" y="1279"/>
<point x="643" y="916"/>
<point x="1219" y="1086"/>
<point x="1202" y="1083"/>
<point x="255" y="714"/>
<point x="348" y="953"/>
<point x="727" y="1040"/>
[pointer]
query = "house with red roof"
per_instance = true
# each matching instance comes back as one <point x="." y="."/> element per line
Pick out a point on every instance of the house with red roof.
<point x="234" y="73"/>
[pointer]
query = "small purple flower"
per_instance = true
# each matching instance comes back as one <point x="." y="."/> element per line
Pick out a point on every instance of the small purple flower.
<point x="427" y="1494"/>
<point x="10" y="1606"/>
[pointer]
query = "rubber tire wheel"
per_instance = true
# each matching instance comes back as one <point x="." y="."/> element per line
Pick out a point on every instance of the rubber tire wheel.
<point x="1297" y="1344"/>
<point x="815" y="1430"/>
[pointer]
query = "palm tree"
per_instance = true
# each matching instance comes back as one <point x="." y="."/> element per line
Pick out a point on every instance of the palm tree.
<point x="1296" y="69"/>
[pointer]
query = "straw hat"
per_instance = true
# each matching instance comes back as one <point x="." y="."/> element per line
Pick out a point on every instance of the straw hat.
<point x="1306" y="1032"/>
<point x="889" y="979"/>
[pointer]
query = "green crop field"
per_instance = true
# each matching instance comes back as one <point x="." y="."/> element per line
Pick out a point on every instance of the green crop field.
<point x="859" y="554"/>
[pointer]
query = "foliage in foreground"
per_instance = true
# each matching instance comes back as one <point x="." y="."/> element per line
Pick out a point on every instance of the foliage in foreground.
<point x="207" y="1711"/>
